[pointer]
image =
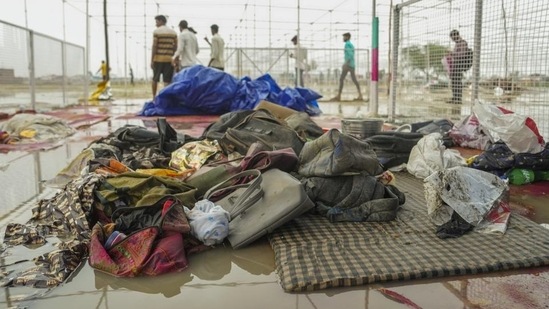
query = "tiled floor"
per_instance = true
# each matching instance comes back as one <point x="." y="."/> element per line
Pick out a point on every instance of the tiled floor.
<point x="226" y="278"/>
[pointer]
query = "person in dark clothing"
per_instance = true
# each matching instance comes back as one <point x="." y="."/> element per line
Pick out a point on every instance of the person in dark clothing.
<point x="457" y="67"/>
<point x="131" y="76"/>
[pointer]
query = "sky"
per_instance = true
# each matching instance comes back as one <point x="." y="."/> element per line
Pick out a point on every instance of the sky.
<point x="516" y="42"/>
<point x="243" y="23"/>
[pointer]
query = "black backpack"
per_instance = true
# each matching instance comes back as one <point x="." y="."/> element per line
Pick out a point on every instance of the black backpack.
<point x="465" y="62"/>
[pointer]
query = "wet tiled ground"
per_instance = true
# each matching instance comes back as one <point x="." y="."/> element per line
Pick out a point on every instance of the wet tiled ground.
<point x="226" y="278"/>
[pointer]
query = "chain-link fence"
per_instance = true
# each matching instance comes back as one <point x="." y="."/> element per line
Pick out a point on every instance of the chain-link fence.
<point x="38" y="71"/>
<point x="322" y="75"/>
<point x="510" y="64"/>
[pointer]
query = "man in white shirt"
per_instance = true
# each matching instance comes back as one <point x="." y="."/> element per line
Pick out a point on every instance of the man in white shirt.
<point x="217" y="45"/>
<point x="187" y="47"/>
<point x="300" y="55"/>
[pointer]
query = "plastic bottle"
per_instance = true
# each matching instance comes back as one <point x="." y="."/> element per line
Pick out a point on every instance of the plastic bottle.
<point x="520" y="176"/>
<point x="541" y="175"/>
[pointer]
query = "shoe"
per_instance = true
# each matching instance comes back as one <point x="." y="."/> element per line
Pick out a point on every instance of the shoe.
<point x="336" y="98"/>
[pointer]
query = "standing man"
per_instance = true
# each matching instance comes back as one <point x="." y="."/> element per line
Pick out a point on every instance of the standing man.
<point x="457" y="67"/>
<point x="348" y="67"/>
<point x="217" y="45"/>
<point x="300" y="55"/>
<point x="131" y="76"/>
<point x="187" y="47"/>
<point x="164" y="44"/>
<point x="103" y="70"/>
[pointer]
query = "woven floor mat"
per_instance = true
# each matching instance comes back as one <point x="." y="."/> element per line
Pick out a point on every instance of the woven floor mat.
<point x="312" y="254"/>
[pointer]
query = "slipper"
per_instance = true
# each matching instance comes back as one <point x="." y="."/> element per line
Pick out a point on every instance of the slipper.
<point x="358" y="99"/>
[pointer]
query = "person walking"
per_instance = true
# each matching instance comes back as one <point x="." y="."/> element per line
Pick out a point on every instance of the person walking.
<point x="348" y="67"/>
<point x="131" y="76"/>
<point x="217" y="59"/>
<point x="457" y="66"/>
<point x="163" y="48"/>
<point x="187" y="47"/>
<point x="300" y="56"/>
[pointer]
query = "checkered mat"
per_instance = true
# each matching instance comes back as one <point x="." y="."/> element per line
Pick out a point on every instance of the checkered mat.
<point x="312" y="254"/>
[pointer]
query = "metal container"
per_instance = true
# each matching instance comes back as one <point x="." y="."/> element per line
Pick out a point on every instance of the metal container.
<point x="361" y="128"/>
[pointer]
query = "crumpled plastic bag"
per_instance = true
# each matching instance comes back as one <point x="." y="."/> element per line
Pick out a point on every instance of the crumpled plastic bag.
<point x="191" y="156"/>
<point x="209" y="222"/>
<point x="429" y="156"/>
<point x="479" y="197"/>
<point x="469" y="133"/>
<point x="520" y="133"/>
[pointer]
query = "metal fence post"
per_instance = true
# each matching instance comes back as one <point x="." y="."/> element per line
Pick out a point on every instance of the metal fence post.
<point x="394" y="64"/>
<point x="239" y="62"/>
<point x="32" y="81"/>
<point x="476" y="49"/>
<point x="64" y="70"/>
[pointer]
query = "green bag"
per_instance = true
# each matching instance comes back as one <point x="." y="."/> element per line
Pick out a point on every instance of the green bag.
<point x="136" y="189"/>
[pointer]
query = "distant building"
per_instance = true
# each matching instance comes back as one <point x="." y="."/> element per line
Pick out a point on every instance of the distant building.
<point x="7" y="76"/>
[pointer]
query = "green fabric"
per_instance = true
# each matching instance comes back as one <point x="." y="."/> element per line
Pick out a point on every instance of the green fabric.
<point x="349" y="54"/>
<point x="136" y="189"/>
<point x="203" y="181"/>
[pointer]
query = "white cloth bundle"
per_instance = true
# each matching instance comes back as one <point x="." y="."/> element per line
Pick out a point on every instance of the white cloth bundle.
<point x="209" y="222"/>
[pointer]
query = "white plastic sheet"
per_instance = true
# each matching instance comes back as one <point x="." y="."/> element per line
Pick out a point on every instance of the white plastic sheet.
<point x="429" y="155"/>
<point x="479" y="197"/>
<point x="510" y="128"/>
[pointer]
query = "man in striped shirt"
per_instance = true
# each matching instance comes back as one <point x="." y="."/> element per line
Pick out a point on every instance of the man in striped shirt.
<point x="164" y="45"/>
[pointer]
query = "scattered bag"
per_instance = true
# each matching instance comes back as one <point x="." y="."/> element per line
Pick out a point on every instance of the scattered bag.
<point x="240" y="192"/>
<point x="169" y="139"/>
<point x="135" y="189"/>
<point x="263" y="160"/>
<point x="469" y="133"/>
<point x="535" y="161"/>
<point x="302" y="123"/>
<point x="260" y="126"/>
<point x="283" y="199"/>
<point x="358" y="197"/>
<point x="153" y="242"/>
<point x="519" y="132"/>
<point x="208" y="176"/>
<point x="393" y="148"/>
<point x="336" y="153"/>
<point x="498" y="158"/>
<point x="217" y="129"/>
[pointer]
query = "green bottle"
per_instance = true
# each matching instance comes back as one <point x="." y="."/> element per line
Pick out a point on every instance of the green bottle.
<point x="541" y="175"/>
<point x="520" y="176"/>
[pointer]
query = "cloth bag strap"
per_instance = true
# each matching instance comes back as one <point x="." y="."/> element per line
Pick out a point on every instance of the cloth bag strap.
<point x="252" y="193"/>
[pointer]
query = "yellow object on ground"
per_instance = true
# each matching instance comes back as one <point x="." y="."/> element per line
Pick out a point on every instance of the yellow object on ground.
<point x="102" y="92"/>
<point x="162" y="172"/>
<point x="27" y="133"/>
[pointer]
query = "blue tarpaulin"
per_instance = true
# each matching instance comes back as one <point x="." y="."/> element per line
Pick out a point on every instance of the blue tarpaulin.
<point x="199" y="90"/>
